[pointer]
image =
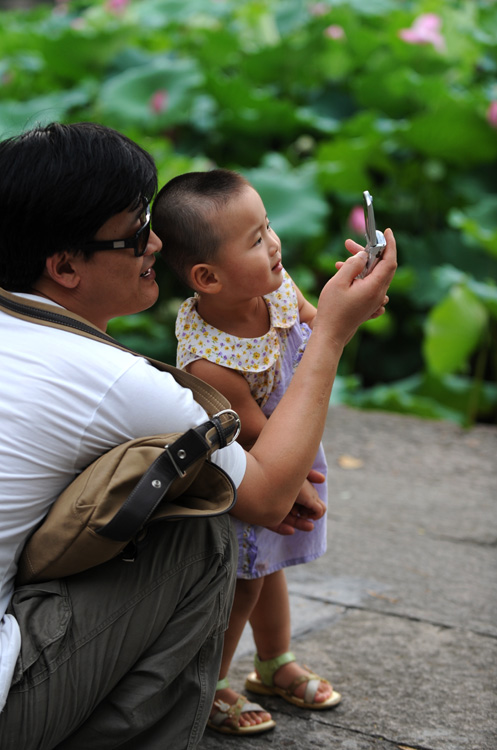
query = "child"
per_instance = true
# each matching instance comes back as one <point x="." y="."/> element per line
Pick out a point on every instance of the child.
<point x="244" y="332"/>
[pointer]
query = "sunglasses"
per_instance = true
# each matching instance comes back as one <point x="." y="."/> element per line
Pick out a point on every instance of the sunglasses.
<point x="138" y="241"/>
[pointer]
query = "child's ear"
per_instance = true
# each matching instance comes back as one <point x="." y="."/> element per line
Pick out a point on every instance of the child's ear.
<point x="204" y="279"/>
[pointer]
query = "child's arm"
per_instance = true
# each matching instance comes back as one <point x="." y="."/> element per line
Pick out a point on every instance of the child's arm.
<point x="307" y="312"/>
<point x="236" y="389"/>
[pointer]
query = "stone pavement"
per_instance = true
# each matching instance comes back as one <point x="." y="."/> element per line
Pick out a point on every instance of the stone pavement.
<point x="401" y="612"/>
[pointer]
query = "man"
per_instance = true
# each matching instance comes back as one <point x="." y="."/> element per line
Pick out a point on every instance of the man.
<point x="126" y="654"/>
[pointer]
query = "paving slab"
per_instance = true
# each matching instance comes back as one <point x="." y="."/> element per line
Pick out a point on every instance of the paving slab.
<point x="401" y="612"/>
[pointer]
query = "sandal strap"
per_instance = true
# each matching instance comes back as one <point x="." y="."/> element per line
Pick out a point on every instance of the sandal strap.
<point x="311" y="690"/>
<point x="230" y="714"/>
<point x="222" y="684"/>
<point x="269" y="667"/>
<point x="313" y="681"/>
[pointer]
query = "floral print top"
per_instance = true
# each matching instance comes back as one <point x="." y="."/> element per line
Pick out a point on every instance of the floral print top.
<point x="267" y="363"/>
<point x="257" y="358"/>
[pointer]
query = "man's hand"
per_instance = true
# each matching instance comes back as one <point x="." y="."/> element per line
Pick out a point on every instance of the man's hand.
<point x="346" y="302"/>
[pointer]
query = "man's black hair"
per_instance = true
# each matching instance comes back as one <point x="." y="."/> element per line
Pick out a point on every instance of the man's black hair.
<point x="58" y="185"/>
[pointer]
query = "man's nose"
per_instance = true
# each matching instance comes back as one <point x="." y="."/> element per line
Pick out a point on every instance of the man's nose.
<point x="154" y="244"/>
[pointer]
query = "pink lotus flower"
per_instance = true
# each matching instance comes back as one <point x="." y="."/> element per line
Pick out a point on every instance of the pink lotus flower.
<point x="356" y="221"/>
<point x="492" y="114"/>
<point x="334" y="32"/>
<point x="116" y="6"/>
<point x="425" y="30"/>
<point x="159" y="101"/>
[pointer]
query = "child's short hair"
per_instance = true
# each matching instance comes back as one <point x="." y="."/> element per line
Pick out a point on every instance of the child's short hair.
<point x="183" y="216"/>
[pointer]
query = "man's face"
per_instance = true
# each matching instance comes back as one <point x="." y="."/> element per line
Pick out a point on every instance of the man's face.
<point x="115" y="282"/>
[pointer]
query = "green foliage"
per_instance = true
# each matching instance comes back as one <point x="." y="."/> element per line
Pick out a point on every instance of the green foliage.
<point x="453" y="330"/>
<point x="314" y="102"/>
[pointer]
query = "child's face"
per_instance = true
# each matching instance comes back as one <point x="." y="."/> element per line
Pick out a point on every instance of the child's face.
<point x="249" y="258"/>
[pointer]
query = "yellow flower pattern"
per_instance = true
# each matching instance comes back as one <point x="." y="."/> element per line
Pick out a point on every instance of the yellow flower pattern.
<point x="257" y="358"/>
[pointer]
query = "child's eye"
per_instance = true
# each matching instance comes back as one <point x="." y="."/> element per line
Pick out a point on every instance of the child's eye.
<point x="258" y="242"/>
<point x="268" y="226"/>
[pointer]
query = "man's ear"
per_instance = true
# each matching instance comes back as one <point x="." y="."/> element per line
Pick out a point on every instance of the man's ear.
<point x="63" y="269"/>
<point x="204" y="279"/>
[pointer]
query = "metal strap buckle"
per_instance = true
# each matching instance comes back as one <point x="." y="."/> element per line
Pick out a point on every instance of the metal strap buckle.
<point x="181" y="454"/>
<point x="238" y="425"/>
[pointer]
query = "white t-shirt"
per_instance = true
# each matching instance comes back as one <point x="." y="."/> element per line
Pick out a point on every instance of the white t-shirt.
<point x="65" y="400"/>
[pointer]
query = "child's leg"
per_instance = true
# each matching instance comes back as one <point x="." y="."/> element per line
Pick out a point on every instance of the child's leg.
<point x="270" y="621"/>
<point x="246" y="595"/>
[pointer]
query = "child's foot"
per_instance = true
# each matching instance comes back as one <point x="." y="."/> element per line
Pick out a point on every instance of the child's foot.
<point x="290" y="673"/>
<point x="298" y="685"/>
<point x="233" y="714"/>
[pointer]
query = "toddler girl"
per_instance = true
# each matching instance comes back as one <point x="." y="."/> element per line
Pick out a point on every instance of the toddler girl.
<point x="244" y="332"/>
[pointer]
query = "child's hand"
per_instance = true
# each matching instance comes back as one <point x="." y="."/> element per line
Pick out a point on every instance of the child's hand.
<point x="316" y="477"/>
<point x="308" y="507"/>
<point x="308" y="503"/>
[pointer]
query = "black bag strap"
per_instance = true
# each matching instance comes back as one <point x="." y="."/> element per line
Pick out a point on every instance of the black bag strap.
<point x="176" y="460"/>
<point x="44" y="314"/>
<point x="182" y="459"/>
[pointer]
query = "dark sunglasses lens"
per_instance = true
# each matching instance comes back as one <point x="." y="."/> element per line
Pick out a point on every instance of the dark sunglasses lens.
<point x="142" y="241"/>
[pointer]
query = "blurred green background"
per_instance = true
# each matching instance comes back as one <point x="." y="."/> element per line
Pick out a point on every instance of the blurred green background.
<point x="314" y="102"/>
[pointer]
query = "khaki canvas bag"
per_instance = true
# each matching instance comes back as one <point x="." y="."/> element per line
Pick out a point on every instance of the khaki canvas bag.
<point x="161" y="477"/>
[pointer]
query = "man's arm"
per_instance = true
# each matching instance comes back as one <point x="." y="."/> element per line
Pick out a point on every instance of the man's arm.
<point x="282" y="456"/>
<point x="253" y="420"/>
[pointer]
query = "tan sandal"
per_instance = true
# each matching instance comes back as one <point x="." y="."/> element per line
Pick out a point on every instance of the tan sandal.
<point x="227" y="719"/>
<point x="264" y="685"/>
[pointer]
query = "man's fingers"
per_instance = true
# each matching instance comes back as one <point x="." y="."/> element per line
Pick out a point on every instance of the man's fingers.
<point x="353" y="246"/>
<point x="355" y="264"/>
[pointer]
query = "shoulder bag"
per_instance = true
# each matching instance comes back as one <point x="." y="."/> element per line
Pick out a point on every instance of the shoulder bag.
<point x="163" y="477"/>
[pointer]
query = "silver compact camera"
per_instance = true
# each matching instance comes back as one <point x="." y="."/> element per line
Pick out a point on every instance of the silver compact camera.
<point x="375" y="239"/>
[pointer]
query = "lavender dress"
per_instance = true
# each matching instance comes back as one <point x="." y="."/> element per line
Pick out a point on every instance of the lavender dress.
<point x="268" y="363"/>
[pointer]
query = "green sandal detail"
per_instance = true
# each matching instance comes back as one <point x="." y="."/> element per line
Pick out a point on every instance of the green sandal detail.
<point x="264" y="684"/>
<point x="222" y="684"/>
<point x="227" y="718"/>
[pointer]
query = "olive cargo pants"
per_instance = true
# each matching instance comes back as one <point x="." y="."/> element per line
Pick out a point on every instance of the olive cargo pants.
<point x="125" y="655"/>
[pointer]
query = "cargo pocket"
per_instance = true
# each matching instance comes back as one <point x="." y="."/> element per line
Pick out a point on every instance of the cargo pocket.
<point x="43" y="611"/>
